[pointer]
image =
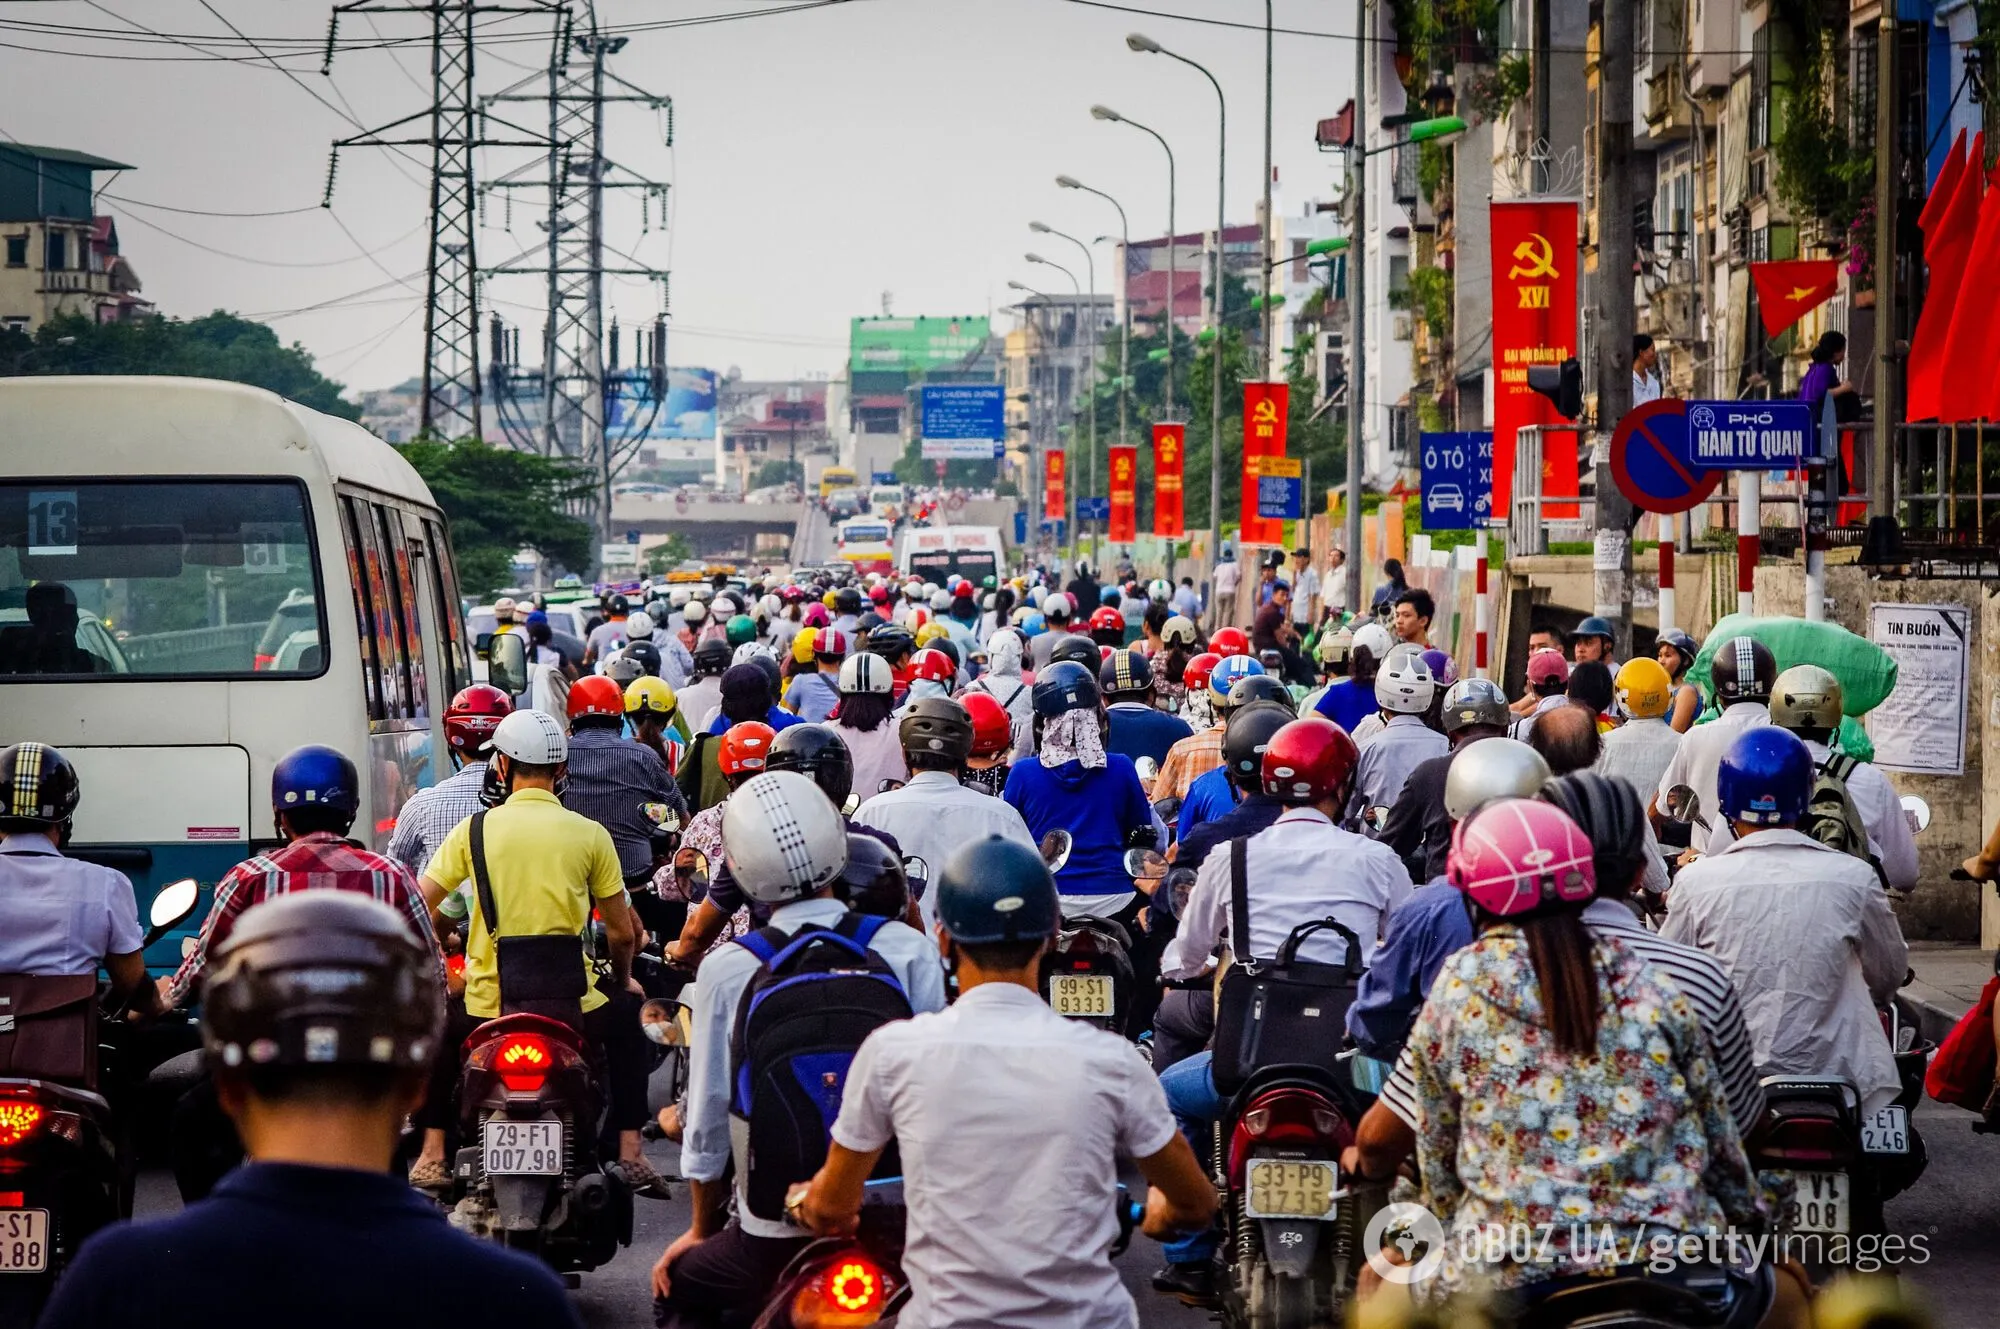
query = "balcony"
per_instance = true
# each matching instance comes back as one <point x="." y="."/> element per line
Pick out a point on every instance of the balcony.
<point x="1668" y="116"/>
<point x="75" y="281"/>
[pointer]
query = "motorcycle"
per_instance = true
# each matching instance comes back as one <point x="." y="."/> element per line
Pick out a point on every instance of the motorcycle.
<point x="1693" y="1296"/>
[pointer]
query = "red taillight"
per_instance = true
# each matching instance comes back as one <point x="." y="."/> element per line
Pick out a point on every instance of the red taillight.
<point x="13" y="1199"/>
<point x="261" y="661"/>
<point x="1288" y="1116"/>
<point x="1800" y="1140"/>
<point x="522" y="1062"/>
<point x="848" y="1292"/>
<point x="17" y="1122"/>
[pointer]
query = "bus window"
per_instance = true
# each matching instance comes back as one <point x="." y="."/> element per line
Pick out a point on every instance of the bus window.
<point x="364" y="607"/>
<point x="390" y="648"/>
<point x="402" y="590"/>
<point x="444" y="586"/>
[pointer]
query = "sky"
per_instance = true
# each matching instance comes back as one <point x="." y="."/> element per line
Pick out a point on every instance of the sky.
<point x="826" y="161"/>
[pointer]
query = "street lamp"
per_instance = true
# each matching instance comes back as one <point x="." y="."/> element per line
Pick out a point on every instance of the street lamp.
<point x="1037" y="445"/>
<point x="1069" y="490"/>
<point x="1147" y="46"/>
<point x="1105" y="113"/>
<point x="1125" y="321"/>
<point x="1087" y="321"/>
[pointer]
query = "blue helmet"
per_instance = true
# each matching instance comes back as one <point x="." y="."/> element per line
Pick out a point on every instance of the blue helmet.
<point x="1108" y="596"/>
<point x="1226" y="672"/>
<point x="1034" y="624"/>
<point x="1765" y="778"/>
<point x="315" y="777"/>
<point x="1063" y="686"/>
<point x="997" y="890"/>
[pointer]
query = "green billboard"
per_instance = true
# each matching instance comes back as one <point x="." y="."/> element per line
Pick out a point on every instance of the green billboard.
<point x="912" y="345"/>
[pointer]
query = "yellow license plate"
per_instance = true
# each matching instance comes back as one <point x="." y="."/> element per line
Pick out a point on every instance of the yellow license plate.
<point x="1290" y="1188"/>
<point x="1821" y="1202"/>
<point x="24" y="1241"/>
<point x="1082" y="995"/>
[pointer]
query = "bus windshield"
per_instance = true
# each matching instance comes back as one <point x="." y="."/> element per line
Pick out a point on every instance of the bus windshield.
<point x="157" y="578"/>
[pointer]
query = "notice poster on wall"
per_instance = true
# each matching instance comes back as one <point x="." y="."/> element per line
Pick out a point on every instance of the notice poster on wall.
<point x="1921" y="726"/>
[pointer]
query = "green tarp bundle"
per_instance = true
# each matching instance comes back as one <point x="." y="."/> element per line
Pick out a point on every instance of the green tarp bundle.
<point x="1867" y="673"/>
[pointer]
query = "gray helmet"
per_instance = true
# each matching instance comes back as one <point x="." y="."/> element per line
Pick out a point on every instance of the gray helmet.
<point x="997" y="890"/>
<point x="1474" y="701"/>
<point x="1806" y="697"/>
<point x="1489" y="769"/>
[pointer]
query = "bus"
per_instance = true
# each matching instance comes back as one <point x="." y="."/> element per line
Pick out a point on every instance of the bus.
<point x="835" y="477"/>
<point x="197" y="577"/>
<point x="935" y="552"/>
<point x="864" y="544"/>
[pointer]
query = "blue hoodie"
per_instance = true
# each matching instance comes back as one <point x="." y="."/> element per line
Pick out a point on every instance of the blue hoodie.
<point x="1097" y="807"/>
<point x="1347" y="703"/>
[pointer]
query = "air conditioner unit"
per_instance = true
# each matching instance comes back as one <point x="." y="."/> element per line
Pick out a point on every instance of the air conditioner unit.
<point x="1680" y="272"/>
<point x="1400" y="325"/>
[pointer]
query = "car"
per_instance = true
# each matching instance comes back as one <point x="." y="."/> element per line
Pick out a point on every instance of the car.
<point x="1447" y="498"/>
<point x="298" y="612"/>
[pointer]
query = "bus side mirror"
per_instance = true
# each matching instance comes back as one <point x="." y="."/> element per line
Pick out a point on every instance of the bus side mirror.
<point x="507" y="663"/>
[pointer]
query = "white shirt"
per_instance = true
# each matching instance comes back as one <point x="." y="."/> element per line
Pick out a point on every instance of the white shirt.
<point x="1226" y="577"/>
<point x="1645" y="388"/>
<point x="1404" y="743"/>
<point x="1301" y="868"/>
<point x="990" y="1102"/>
<point x="1639" y="752"/>
<point x="1369" y="727"/>
<point x="59" y="917"/>
<point x="718" y="994"/>
<point x="877" y="755"/>
<point x="1889" y="834"/>
<point x="1700" y="756"/>
<point x="1303" y="591"/>
<point x="1807" y="937"/>
<point x="934" y="816"/>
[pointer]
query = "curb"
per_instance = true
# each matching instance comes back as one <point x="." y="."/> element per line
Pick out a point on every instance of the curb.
<point x="1932" y="1011"/>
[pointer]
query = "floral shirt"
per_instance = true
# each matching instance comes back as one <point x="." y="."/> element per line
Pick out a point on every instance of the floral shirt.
<point x="704" y="835"/>
<point x="1593" y="1157"/>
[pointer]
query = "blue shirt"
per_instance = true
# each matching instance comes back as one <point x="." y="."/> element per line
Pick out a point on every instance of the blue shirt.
<point x="1098" y="807"/>
<point x="813" y="696"/>
<point x="776" y="718"/>
<point x="1210" y="796"/>
<point x="1421" y="934"/>
<point x="1347" y="703"/>
<point x="1144" y="731"/>
<point x="1252" y="815"/>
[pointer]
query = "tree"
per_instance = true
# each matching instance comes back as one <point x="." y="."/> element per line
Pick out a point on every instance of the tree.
<point x="664" y="557"/>
<point x="500" y="501"/>
<point x="778" y="473"/>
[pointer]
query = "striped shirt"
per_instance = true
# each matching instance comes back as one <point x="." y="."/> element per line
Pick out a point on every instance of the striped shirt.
<point x="1188" y="760"/>
<point x="431" y="814"/>
<point x="320" y="861"/>
<point x="1699" y="977"/>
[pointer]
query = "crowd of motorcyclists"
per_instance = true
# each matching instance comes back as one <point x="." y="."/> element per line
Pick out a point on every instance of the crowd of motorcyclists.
<point x="1563" y="1010"/>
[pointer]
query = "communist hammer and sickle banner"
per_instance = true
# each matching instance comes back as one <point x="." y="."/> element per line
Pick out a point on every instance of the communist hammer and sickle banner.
<point x="1169" y="443"/>
<point x="1124" y="494"/>
<point x="1534" y="323"/>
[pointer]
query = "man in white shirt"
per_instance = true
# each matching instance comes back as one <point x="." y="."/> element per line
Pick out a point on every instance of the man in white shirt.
<point x="1640" y="750"/>
<point x="1807" y="700"/>
<point x="1305" y="591"/>
<point x="1223" y="583"/>
<point x="1743" y="671"/>
<point x="1333" y="587"/>
<point x="997" y="1101"/>
<point x="1645" y="370"/>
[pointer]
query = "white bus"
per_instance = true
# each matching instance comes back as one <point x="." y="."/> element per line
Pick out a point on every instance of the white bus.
<point x="197" y="577"/>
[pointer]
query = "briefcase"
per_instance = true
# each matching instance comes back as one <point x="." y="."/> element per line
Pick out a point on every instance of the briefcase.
<point x="48" y="1028"/>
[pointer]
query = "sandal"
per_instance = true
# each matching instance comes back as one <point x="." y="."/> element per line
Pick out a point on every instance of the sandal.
<point x="638" y="1176"/>
<point x="428" y="1174"/>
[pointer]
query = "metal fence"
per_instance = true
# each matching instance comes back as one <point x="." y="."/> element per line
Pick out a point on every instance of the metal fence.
<point x="194" y="651"/>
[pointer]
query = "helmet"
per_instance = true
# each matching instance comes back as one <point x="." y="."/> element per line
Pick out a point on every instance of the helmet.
<point x="319" y="777"/>
<point x="1743" y="669"/>
<point x="1057" y="606"/>
<point x="679" y="596"/>
<point x="533" y="738"/>
<point x="617" y="604"/>
<point x="1065" y="686"/>
<point x="997" y="890"/>
<point x="818" y="753"/>
<point x="694" y="612"/>
<point x="992" y="726"/>
<point x="41" y="785"/>
<point x="1405" y="685"/>
<point x="936" y="725"/>
<point x="878" y="594"/>
<point x="596" y="695"/>
<point x="1334" y="646"/>
<point x="1546" y="666"/>
<point x="1680" y="641"/>
<point x="847" y="600"/>
<point x="1076" y="649"/>
<point x="1227" y="642"/>
<point x="751" y="651"/>
<point x="1244" y="739"/>
<point x="865" y="673"/>
<point x="913" y="589"/>
<point x="638" y="626"/>
<point x="1374" y="638"/>
<point x="1308" y="761"/>
<point x="767" y="606"/>
<point x="1805" y="697"/>
<point x="933" y="666"/>
<point x="931" y="632"/>
<point x="890" y="641"/>
<point x="1125" y="671"/>
<point x="1594" y="627"/>
<point x="1158" y="590"/>
<point x="1474" y="701"/>
<point x="1107" y="619"/>
<point x="321" y="978"/>
<point x="1031" y="621"/>
<point x="1519" y="856"/>
<point x="940" y="602"/>
<point x="1180" y="631"/>
<point x="740" y="629"/>
<point x="745" y="748"/>
<point x="1444" y="672"/>
<point x="781" y="838"/>
<point x="472" y="716"/>
<point x="1225" y="673"/>
<point x="1107" y="595"/>
<point x="711" y="657"/>
<point x="829" y="642"/>
<point x="1489" y="769"/>
<point x="1643" y="688"/>
<point x="1196" y="675"/>
<point x="873" y="882"/>
<point x="1260" y="687"/>
<point x="650" y="696"/>
<point x="645" y="656"/>
<point x="816" y="616"/>
<point x="791" y="594"/>
<point x="802" y="646"/>
<point x="1611" y="816"/>
<point x="503" y="609"/>
<point x="1765" y="778"/>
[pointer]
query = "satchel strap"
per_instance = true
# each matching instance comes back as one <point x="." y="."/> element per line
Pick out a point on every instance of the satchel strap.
<point x="1239" y="903"/>
<point x="489" y="913"/>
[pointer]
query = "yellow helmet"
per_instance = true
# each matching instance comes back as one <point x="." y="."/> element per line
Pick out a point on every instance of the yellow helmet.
<point x="929" y="633"/>
<point x="827" y="600"/>
<point x="802" y="646"/>
<point x="654" y="695"/>
<point x="1644" y="689"/>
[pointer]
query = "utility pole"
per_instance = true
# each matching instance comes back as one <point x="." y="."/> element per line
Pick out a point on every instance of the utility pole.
<point x="1888" y="405"/>
<point x="1612" y="563"/>
<point x="1267" y="250"/>
<point x="1357" y="315"/>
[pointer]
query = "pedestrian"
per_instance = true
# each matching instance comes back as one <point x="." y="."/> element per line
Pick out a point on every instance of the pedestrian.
<point x="1224" y="582"/>
<point x="1645" y="370"/>
<point x="1333" y="592"/>
<point x="1305" y="591"/>
<point x="1267" y="577"/>
<point x="1187" y="601"/>
<point x="1392" y="586"/>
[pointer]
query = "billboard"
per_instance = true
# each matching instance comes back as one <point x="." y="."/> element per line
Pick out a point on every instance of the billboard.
<point x="631" y="412"/>
<point x="964" y="420"/>
<point x="1534" y="323"/>
<point x="911" y="345"/>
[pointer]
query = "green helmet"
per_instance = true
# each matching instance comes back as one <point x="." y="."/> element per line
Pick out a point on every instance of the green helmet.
<point x="740" y="629"/>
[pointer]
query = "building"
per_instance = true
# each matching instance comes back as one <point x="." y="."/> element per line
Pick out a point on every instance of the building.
<point x="58" y="256"/>
<point x="888" y="358"/>
<point x="1048" y="369"/>
<point x="765" y="421"/>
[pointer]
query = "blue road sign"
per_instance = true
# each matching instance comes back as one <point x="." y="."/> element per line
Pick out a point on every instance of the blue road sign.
<point x="632" y="536"/>
<point x="1748" y="435"/>
<point x="963" y="420"/>
<point x="1279" y="496"/>
<point x="1088" y="509"/>
<point x="882" y="477"/>
<point x="1457" y="479"/>
<point x="1650" y="462"/>
<point x="1020" y="527"/>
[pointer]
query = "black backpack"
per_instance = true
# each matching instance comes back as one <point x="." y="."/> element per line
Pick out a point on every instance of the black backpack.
<point x="803" y="1016"/>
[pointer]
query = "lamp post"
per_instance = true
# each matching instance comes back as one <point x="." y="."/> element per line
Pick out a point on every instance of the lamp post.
<point x="1107" y="114"/>
<point x="1069" y="490"/>
<point x="1124" y="328"/>
<point x="1269" y="236"/>
<point x="1147" y="46"/>
<point x="1089" y="317"/>
<point x="1036" y="444"/>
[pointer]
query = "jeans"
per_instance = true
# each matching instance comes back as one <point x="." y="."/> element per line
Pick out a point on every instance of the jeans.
<point x="1191" y="1096"/>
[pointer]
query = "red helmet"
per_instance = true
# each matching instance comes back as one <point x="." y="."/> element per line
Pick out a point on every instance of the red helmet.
<point x="829" y="641"/>
<point x="992" y="727"/>
<point x="933" y="665"/>
<point x="596" y="695"/>
<point x="1309" y="760"/>
<point x="880" y="595"/>
<point x="1229" y="641"/>
<point x="1107" y="619"/>
<point x="792" y="595"/>
<point x="745" y="747"/>
<point x="472" y="717"/>
<point x="1194" y="675"/>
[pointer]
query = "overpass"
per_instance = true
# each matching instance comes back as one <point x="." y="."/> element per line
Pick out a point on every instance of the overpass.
<point x="718" y="528"/>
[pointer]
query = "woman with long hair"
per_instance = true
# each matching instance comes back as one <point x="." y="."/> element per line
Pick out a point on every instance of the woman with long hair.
<point x="863" y="721"/>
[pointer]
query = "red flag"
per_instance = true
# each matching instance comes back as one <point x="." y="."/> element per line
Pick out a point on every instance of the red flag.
<point x="1264" y="408"/>
<point x="1942" y="187"/>
<point x="1168" y="443"/>
<point x="1789" y="290"/>
<point x="1947" y="244"/>
<point x="1124" y="494"/>
<point x="1971" y="348"/>
<point x="1054" y="471"/>
<point x="1534" y="323"/>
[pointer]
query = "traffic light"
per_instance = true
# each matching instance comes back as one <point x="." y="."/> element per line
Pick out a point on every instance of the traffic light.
<point x="1561" y="384"/>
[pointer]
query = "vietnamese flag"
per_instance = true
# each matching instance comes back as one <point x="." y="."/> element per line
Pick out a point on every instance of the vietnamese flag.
<point x="1948" y="231"/>
<point x="1971" y="348"/>
<point x="1790" y="289"/>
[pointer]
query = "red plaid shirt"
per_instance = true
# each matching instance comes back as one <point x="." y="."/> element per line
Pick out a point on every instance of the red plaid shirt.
<point x="320" y="861"/>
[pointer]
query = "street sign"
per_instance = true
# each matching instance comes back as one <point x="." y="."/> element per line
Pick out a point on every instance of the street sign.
<point x="620" y="555"/>
<point x="1020" y="527"/>
<point x="1457" y="480"/>
<point x="1748" y="435"/>
<point x="1650" y="461"/>
<point x="632" y="536"/>
<point x="882" y="477"/>
<point x="1287" y="467"/>
<point x="1098" y="509"/>
<point x="963" y="420"/>
<point x="1278" y="495"/>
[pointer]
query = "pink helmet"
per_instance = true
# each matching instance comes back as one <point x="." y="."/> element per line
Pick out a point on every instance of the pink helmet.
<point x="816" y="616"/>
<point x="1521" y="856"/>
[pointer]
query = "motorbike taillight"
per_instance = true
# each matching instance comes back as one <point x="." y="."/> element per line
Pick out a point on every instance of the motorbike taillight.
<point x="1288" y="1116"/>
<point x="1802" y="1141"/>
<point x="523" y="1061"/>
<point x="848" y="1291"/>
<point x="18" y="1120"/>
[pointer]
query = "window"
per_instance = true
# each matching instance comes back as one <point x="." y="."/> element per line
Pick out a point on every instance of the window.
<point x="1299" y="273"/>
<point x="17" y="251"/>
<point x="402" y="594"/>
<point x="444" y="585"/>
<point x="1861" y="86"/>
<point x="1760" y="88"/>
<point x="15" y="322"/>
<point x="359" y="548"/>
<point x="55" y="249"/>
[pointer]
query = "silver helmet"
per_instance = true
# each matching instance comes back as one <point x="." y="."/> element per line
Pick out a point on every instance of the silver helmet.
<point x="1489" y="769"/>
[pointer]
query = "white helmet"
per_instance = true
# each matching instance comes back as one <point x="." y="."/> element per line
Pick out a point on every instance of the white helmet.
<point x="1376" y="639"/>
<point x="750" y="650"/>
<point x="1179" y="630"/>
<point x="941" y="601"/>
<point x="638" y="626"/>
<point x="695" y="611"/>
<point x="725" y="606"/>
<point x="1404" y="684"/>
<point x="913" y="590"/>
<point x="1159" y="590"/>
<point x="679" y="596"/>
<point x="1488" y="769"/>
<point x="865" y="673"/>
<point x="534" y="738"/>
<point x="1003" y="653"/>
<point x="770" y="607"/>
<point x="1058" y="605"/>
<point x="782" y="837"/>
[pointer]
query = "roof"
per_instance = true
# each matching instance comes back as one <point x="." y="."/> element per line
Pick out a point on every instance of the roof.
<point x="1230" y="235"/>
<point x="69" y="155"/>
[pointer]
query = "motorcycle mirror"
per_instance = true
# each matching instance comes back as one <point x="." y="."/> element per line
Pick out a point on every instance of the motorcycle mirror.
<point x="1172" y="896"/>
<point x="1148" y="769"/>
<point x="916" y="869"/>
<point x="1169" y="810"/>
<point x="507" y="663"/>
<point x="1683" y="804"/>
<point x="174" y="903"/>
<point x="1056" y="846"/>
<point x="1145" y="864"/>
<point x="850" y="805"/>
<point x="697" y="863"/>
<point x="481" y="644"/>
<point x="665" y="1022"/>
<point x="661" y="815"/>
<point x="1917" y="812"/>
<point x="1375" y="818"/>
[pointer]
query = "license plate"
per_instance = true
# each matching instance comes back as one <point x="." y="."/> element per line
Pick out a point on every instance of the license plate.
<point x="1084" y="995"/>
<point x="24" y="1241"/>
<point x="1290" y="1188"/>
<point x="1821" y="1203"/>
<point x="523" y="1148"/>
<point x="1887" y="1132"/>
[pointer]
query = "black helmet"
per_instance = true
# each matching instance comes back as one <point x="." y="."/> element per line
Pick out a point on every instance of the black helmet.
<point x="1743" y="669"/>
<point x="1261" y="687"/>
<point x="711" y="657"/>
<point x="1125" y="672"/>
<point x="814" y="750"/>
<point x="321" y="978"/>
<point x="1245" y="737"/>
<point x="891" y="641"/>
<point x="1610" y="814"/>
<point x="1064" y="686"/>
<point x="997" y="890"/>
<point x="873" y="882"/>
<point x="41" y="787"/>
<point x="1594" y="627"/>
<point x="1079" y="649"/>
<point x="646" y="656"/>
<point x="616" y="605"/>
<point x="936" y="726"/>
<point x="847" y="600"/>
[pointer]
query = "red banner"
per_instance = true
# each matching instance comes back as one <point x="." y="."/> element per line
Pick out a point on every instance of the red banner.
<point x="1169" y="444"/>
<point x="1124" y="494"/>
<point x="1534" y="323"/>
<point x="1054" y="505"/>
<point x="1264" y="411"/>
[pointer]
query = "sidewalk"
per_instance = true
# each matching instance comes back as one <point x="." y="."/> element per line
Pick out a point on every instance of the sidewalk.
<point x="1949" y="978"/>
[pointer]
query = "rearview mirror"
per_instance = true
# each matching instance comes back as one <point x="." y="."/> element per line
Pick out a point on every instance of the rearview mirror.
<point x="850" y="805"/>
<point x="1148" y="769"/>
<point x="665" y="1022"/>
<point x="1916" y="812"/>
<point x="916" y="870"/>
<point x="1145" y="864"/>
<point x="1684" y="805"/>
<point x="1374" y="819"/>
<point x="507" y="663"/>
<point x="662" y="815"/>
<point x="1056" y="846"/>
<point x="174" y="903"/>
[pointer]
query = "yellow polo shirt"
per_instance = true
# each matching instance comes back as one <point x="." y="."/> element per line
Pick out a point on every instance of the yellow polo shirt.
<point x="546" y="865"/>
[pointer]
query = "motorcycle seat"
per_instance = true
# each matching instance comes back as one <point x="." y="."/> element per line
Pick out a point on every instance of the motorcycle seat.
<point x="1699" y="1296"/>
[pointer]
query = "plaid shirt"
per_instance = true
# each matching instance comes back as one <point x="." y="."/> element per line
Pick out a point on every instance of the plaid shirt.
<point x="433" y="813"/>
<point x="320" y="861"/>
<point x="1188" y="760"/>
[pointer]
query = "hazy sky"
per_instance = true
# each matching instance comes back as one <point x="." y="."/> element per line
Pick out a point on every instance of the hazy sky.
<point x="822" y="157"/>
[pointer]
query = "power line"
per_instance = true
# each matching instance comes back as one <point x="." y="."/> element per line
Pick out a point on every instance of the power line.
<point x="270" y="262"/>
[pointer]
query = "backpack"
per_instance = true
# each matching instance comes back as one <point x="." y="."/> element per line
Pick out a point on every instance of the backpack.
<point x="1831" y="817"/>
<point x="804" y="1014"/>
